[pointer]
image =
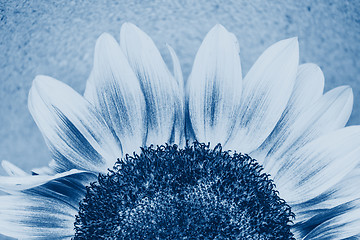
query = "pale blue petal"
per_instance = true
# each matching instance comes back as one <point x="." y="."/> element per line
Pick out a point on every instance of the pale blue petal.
<point x="115" y="92"/>
<point x="36" y="217"/>
<point x="12" y="170"/>
<point x="309" y="87"/>
<point x="179" y="134"/>
<point x="343" y="226"/>
<point x="329" y="113"/>
<point x="21" y="183"/>
<point x="319" y="165"/>
<point x="214" y="87"/>
<point x="266" y="91"/>
<point x="76" y="134"/>
<point x="160" y="89"/>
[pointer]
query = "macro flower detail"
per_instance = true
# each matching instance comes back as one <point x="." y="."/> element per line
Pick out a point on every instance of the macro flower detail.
<point x="144" y="154"/>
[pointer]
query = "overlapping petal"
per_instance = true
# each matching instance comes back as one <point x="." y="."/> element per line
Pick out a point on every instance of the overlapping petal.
<point x="328" y="113"/>
<point x="12" y="170"/>
<point x="42" y="207"/>
<point x="161" y="91"/>
<point x="308" y="88"/>
<point x="266" y="91"/>
<point x="179" y="125"/>
<point x="76" y="134"/>
<point x="115" y="92"/>
<point x="36" y="217"/>
<point x="343" y="226"/>
<point x="319" y="165"/>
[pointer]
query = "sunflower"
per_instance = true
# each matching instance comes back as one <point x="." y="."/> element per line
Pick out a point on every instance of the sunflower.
<point x="146" y="155"/>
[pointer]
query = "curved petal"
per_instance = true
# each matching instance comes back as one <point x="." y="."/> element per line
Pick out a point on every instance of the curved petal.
<point x="308" y="88"/>
<point x="76" y="134"/>
<point x="21" y="183"/>
<point x="36" y="217"/>
<point x="319" y="165"/>
<point x="179" y="137"/>
<point x="266" y="91"/>
<point x="160" y="89"/>
<point x="347" y="190"/>
<point x="51" y="169"/>
<point x="42" y="207"/>
<point x="12" y="170"/>
<point x="329" y="113"/>
<point x="214" y="87"/>
<point x="343" y="226"/>
<point x="116" y="94"/>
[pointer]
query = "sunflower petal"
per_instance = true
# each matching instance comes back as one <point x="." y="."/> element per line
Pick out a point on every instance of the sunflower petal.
<point x="36" y="217"/>
<point x="115" y="92"/>
<point x="75" y="133"/>
<point x="344" y="191"/>
<point x="266" y="91"/>
<point x="160" y="89"/>
<point x="21" y="183"/>
<point x="214" y="86"/>
<point x="343" y="226"/>
<point x="12" y="170"/>
<point x="179" y="137"/>
<point x="308" y="88"/>
<point x="319" y="165"/>
<point x="329" y="113"/>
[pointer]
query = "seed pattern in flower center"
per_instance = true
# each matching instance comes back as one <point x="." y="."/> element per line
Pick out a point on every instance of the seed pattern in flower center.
<point x="191" y="193"/>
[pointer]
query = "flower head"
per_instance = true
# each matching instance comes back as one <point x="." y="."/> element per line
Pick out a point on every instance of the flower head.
<point x="164" y="158"/>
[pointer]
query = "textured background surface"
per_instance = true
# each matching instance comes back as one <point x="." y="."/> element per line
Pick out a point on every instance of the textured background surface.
<point x="57" y="39"/>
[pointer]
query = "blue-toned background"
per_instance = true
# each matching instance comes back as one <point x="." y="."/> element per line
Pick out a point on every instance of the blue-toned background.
<point x="57" y="39"/>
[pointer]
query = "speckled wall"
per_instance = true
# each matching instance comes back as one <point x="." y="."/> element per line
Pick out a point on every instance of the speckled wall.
<point x="58" y="39"/>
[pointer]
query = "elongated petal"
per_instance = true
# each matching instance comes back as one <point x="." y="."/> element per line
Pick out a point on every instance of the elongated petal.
<point x="343" y="226"/>
<point x="329" y="113"/>
<point x="308" y="88"/>
<point x="115" y="92"/>
<point x="76" y="134"/>
<point x="12" y="170"/>
<point x="36" y="217"/>
<point x="68" y="188"/>
<point x="160" y="89"/>
<point x="20" y="183"/>
<point x="347" y="190"/>
<point x="319" y="165"/>
<point x="266" y="91"/>
<point x="214" y="86"/>
<point x="179" y="137"/>
<point x="52" y="169"/>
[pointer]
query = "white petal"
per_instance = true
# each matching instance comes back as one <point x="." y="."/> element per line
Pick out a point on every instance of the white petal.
<point x="179" y="137"/>
<point x="319" y="165"/>
<point x="115" y="92"/>
<point x="344" y="226"/>
<point x="51" y="169"/>
<point x="12" y="170"/>
<point x="214" y="87"/>
<point x="266" y="91"/>
<point x="35" y="217"/>
<point x="160" y="89"/>
<point x="329" y="113"/>
<point x="20" y="183"/>
<point x="76" y="134"/>
<point x="308" y="88"/>
<point x="346" y="190"/>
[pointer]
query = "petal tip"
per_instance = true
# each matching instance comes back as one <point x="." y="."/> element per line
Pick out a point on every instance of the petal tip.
<point x="128" y="28"/>
<point x="104" y="37"/>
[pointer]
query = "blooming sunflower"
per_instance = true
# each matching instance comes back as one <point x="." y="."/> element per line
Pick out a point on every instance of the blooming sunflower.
<point x="164" y="158"/>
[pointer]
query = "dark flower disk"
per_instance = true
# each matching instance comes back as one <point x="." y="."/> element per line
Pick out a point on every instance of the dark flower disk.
<point x="191" y="193"/>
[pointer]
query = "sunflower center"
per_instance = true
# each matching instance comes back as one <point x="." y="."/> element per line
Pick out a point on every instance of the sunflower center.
<point x="191" y="193"/>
